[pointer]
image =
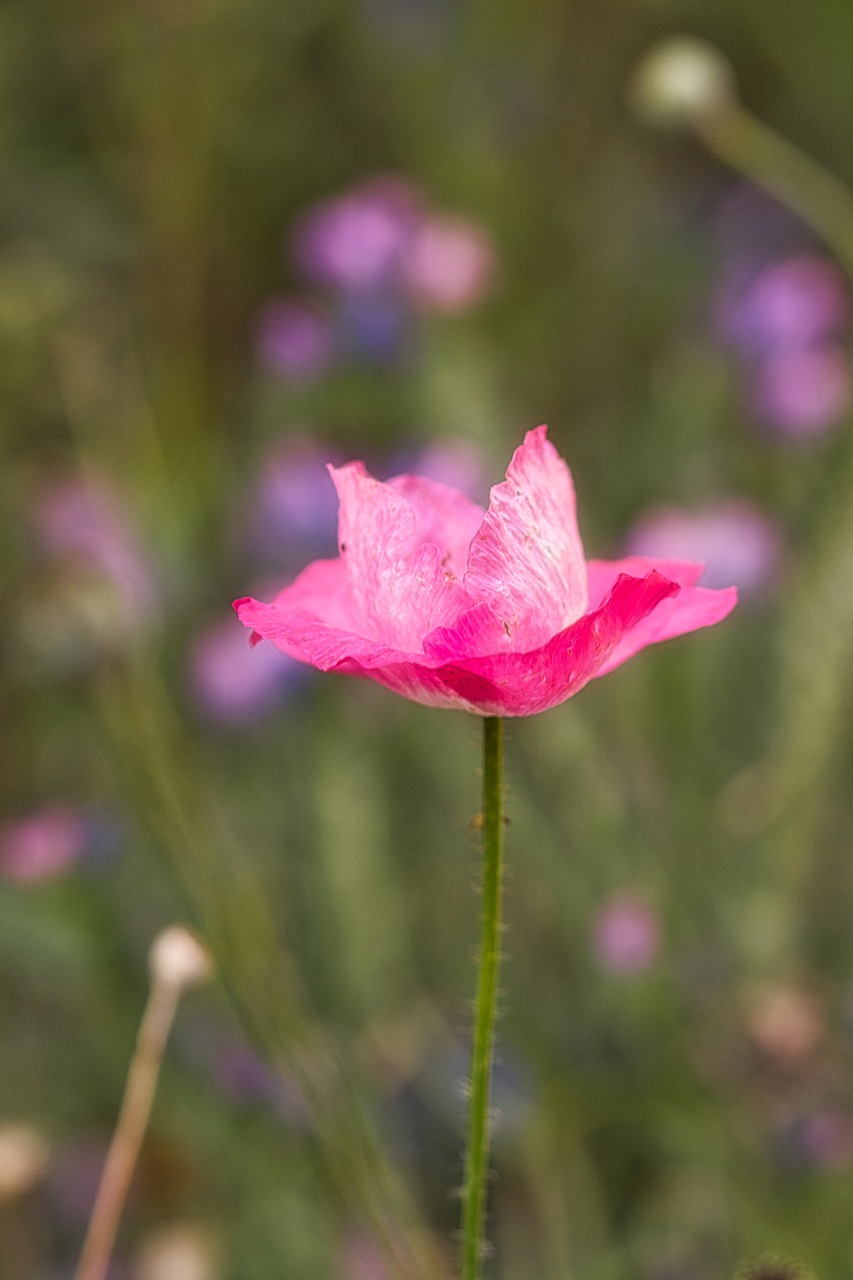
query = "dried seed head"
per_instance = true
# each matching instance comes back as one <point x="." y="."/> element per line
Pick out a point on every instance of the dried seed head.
<point x="178" y="959"/>
<point x="683" y="81"/>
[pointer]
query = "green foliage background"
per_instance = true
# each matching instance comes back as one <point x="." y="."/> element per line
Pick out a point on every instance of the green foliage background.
<point x="153" y="154"/>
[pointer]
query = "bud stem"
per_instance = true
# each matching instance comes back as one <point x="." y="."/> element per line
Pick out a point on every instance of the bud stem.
<point x="749" y="145"/>
<point x="130" y="1129"/>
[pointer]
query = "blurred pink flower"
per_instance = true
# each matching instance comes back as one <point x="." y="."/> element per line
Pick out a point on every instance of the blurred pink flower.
<point x="359" y="1259"/>
<point x="43" y="844"/>
<point x="456" y="463"/>
<point x="82" y="521"/>
<point x="497" y="613"/>
<point x="626" y="934"/>
<point x="827" y="1138"/>
<point x="294" y="337"/>
<point x="293" y="505"/>
<point x="735" y="541"/>
<point x="803" y="391"/>
<point x="448" y="264"/>
<point x="355" y="241"/>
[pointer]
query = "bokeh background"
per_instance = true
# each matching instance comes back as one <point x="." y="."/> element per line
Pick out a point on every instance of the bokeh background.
<point x="243" y="239"/>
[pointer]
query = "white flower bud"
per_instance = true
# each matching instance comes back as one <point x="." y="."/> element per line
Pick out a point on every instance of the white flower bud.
<point x="182" y="1251"/>
<point x="24" y="1156"/>
<point x="683" y="81"/>
<point x="178" y="959"/>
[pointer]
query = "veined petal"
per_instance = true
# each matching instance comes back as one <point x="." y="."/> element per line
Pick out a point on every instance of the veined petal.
<point x="399" y="588"/>
<point x="541" y="679"/>
<point x="603" y="573"/>
<point x="478" y="631"/>
<point x="321" y="590"/>
<point x="310" y="639"/>
<point x="526" y="561"/>
<point x="694" y="607"/>
<point x="449" y="686"/>
<point x="432" y="683"/>
<point x="443" y="515"/>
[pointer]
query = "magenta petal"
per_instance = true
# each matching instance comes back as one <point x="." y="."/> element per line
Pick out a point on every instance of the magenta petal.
<point x="603" y="573"/>
<point x="452" y="687"/>
<point x="693" y="608"/>
<point x="400" y="590"/>
<point x="533" y="682"/>
<point x="526" y="562"/>
<point x="477" y="631"/>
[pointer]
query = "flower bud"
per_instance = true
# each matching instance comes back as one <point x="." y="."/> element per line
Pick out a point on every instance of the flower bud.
<point x="178" y="959"/>
<point x="683" y="81"/>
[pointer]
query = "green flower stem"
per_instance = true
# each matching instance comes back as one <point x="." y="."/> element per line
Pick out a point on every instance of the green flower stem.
<point x="477" y="1154"/>
<point x="746" y="143"/>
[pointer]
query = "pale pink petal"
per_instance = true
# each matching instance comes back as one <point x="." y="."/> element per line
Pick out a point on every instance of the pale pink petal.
<point x="443" y="515"/>
<point x="322" y="590"/>
<point x="400" y="590"/>
<point x="533" y="682"/>
<point x="692" y="608"/>
<point x="329" y="649"/>
<point x="309" y="638"/>
<point x="526" y="562"/>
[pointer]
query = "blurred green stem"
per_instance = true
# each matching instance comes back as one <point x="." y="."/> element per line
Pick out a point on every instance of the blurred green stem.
<point x="254" y="964"/>
<point x="749" y="145"/>
<point x="477" y="1155"/>
<point x="818" y="623"/>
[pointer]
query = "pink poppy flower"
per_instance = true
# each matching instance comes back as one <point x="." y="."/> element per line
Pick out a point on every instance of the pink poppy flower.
<point x="494" y="612"/>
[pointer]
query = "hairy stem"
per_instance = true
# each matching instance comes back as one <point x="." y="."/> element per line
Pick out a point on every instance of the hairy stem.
<point x="477" y="1154"/>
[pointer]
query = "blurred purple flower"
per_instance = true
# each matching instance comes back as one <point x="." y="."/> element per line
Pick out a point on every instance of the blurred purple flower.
<point x="626" y="934"/>
<point x="374" y="326"/>
<point x="787" y="309"/>
<point x="43" y="844"/>
<point x="752" y="228"/>
<point x="802" y="391"/>
<point x="243" y="1075"/>
<point x="232" y="682"/>
<point x="791" y="303"/>
<point x="827" y="1138"/>
<point x="83" y="522"/>
<point x="449" y="263"/>
<point x="294" y="337"/>
<point x="457" y="463"/>
<point x="354" y="241"/>
<point x="295" y="507"/>
<point x="735" y="540"/>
